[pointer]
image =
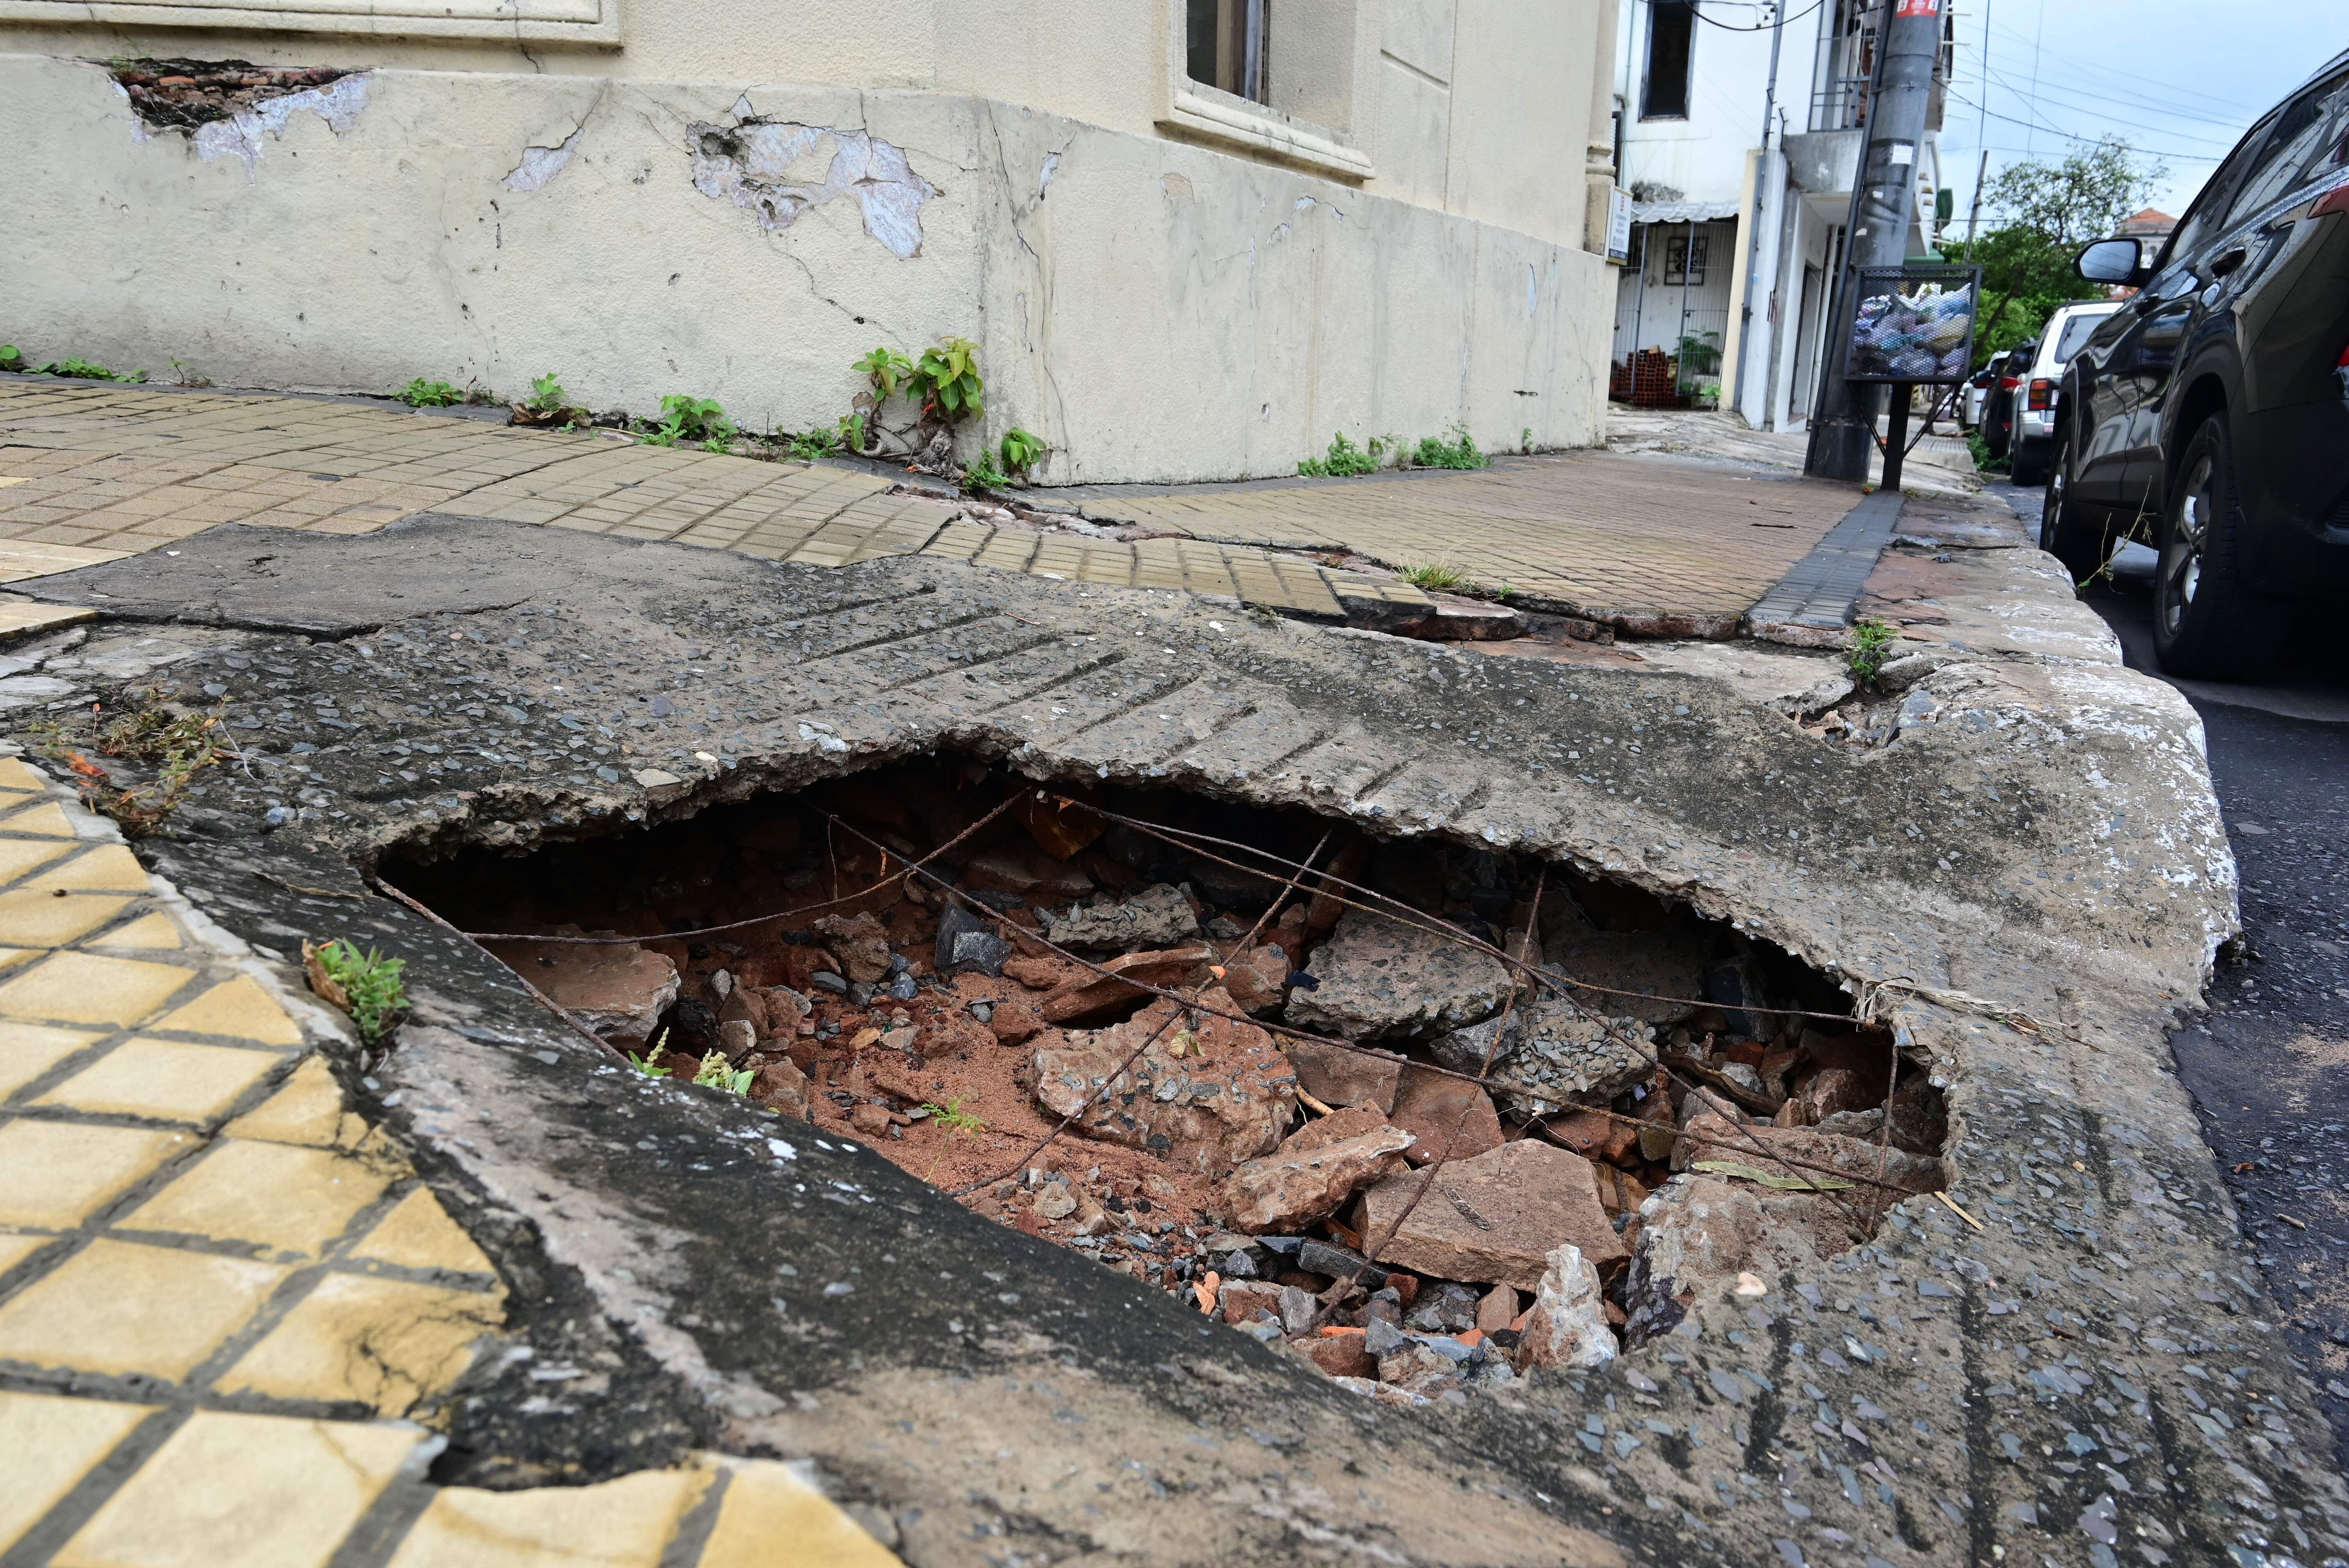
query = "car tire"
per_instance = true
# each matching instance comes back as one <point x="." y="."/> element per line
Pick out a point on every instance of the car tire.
<point x="2025" y="471"/>
<point x="2207" y="625"/>
<point x="2082" y="543"/>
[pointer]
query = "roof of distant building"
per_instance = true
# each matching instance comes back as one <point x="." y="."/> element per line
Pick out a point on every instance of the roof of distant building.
<point x="2147" y="223"/>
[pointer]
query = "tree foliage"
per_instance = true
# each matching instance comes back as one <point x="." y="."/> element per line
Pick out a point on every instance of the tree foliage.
<point x="2041" y="213"/>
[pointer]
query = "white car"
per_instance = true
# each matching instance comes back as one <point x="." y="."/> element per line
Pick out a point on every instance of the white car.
<point x="2035" y="394"/>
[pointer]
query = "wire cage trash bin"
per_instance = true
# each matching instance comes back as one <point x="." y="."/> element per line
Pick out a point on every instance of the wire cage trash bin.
<point x="1914" y="324"/>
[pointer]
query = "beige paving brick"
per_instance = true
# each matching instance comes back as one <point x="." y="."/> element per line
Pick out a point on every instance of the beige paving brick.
<point x="419" y="1235"/>
<point x="40" y="918"/>
<point x="150" y="932"/>
<point x="238" y="1009"/>
<point x="52" y="1442"/>
<point x="385" y="1343"/>
<point x="255" y="1492"/>
<point x="55" y="1175"/>
<point x="83" y="988"/>
<point x="14" y="776"/>
<point x="769" y="1515"/>
<point x="308" y="1110"/>
<point x="45" y="817"/>
<point x="289" y="1199"/>
<point x="623" y="1523"/>
<point x="166" y="1081"/>
<point x="28" y="1050"/>
<point x="118" y="1309"/>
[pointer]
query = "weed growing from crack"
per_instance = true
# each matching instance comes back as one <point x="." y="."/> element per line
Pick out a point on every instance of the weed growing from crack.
<point x="649" y="1063"/>
<point x="85" y="370"/>
<point x="1438" y="578"/>
<point x="887" y="370"/>
<point x="716" y="1073"/>
<point x="12" y="359"/>
<point x="546" y="392"/>
<point x="1344" y="457"/>
<point x="1869" y="639"/>
<point x="983" y="475"/>
<point x="953" y="1121"/>
<point x="701" y="420"/>
<point x="180" y="745"/>
<point x="366" y="988"/>
<point x="1021" y="450"/>
<point x="1460" y="452"/>
<point x="422" y="394"/>
<point x="184" y="374"/>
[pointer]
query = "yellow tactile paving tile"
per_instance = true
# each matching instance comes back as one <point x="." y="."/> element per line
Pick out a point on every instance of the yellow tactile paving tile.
<point x="123" y="1310"/>
<point x="55" y="1174"/>
<point x="46" y="818"/>
<point x="237" y="1007"/>
<point x="82" y="988"/>
<point x="287" y="1198"/>
<point x="14" y="776"/>
<point x="259" y="1491"/>
<point x="28" y="1051"/>
<point x="51" y="1441"/>
<point x="766" y="1504"/>
<point x="308" y="1110"/>
<point x="623" y="1523"/>
<point x="419" y="1235"/>
<point x="102" y="868"/>
<point x="163" y="1080"/>
<point x="149" y="932"/>
<point x="418" y="1339"/>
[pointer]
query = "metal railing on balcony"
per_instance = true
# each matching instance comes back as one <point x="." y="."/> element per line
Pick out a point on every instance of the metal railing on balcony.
<point x="1840" y="103"/>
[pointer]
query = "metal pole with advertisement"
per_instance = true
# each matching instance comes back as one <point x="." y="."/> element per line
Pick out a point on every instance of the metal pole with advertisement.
<point x="1884" y="203"/>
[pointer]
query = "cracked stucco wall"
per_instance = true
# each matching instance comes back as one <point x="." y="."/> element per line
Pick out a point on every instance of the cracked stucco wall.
<point x="1155" y="310"/>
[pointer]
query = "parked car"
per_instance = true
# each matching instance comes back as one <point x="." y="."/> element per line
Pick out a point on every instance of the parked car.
<point x="2210" y="416"/>
<point x="1976" y="393"/>
<point x="2035" y="391"/>
<point x="1998" y="408"/>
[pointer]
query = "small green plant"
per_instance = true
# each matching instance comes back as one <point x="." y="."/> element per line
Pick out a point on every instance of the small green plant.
<point x="887" y="370"/>
<point x="179" y="745"/>
<point x="12" y="359"/>
<point x="1344" y="457"/>
<point x="1980" y="449"/>
<point x="546" y="392"/>
<point x="852" y="433"/>
<point x="85" y="370"/>
<point x="184" y="374"/>
<point x="809" y="445"/>
<point x="1021" y="450"/>
<point x="649" y="1063"/>
<point x="1460" y="452"/>
<point x="952" y="1118"/>
<point x="423" y="394"/>
<point x="698" y="419"/>
<point x="1526" y="440"/>
<point x="983" y="475"/>
<point x="370" y="986"/>
<point x="716" y="1073"/>
<point x="1700" y="353"/>
<point x="1865" y="656"/>
<point x="946" y="380"/>
<point x="1437" y="578"/>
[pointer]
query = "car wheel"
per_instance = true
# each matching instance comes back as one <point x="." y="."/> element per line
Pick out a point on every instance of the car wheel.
<point x="2083" y="545"/>
<point x="2025" y="473"/>
<point x="2206" y="623"/>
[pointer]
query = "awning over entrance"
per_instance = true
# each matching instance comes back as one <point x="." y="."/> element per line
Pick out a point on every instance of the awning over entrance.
<point x="1681" y="211"/>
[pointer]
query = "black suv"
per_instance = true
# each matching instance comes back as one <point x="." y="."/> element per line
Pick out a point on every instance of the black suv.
<point x="2212" y="413"/>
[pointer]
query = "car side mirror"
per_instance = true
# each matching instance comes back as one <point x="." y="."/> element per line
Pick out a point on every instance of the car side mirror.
<point x="2112" y="262"/>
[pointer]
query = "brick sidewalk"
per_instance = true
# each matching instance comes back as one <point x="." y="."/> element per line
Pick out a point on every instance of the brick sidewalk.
<point x="229" y="1311"/>
<point x="93" y="472"/>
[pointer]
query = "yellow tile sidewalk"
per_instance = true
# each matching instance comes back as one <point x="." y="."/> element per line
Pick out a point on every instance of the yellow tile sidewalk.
<point x="228" y="1309"/>
<point x="97" y="472"/>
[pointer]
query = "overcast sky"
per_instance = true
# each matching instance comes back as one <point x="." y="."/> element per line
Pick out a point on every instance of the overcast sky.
<point x="2180" y="78"/>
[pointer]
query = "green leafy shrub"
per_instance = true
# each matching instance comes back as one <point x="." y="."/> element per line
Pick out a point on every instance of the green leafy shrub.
<point x="946" y="380"/>
<point x="366" y="988"/>
<point x="423" y="394"/>
<point x="1344" y="457"/>
<point x="1021" y="450"/>
<point x="688" y="419"/>
<point x="1865" y="655"/>
<point x="1460" y="452"/>
<point x="546" y="392"/>
<point x="887" y="370"/>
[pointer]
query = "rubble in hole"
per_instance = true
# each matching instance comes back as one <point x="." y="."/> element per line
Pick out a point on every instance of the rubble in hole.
<point x="1539" y="1174"/>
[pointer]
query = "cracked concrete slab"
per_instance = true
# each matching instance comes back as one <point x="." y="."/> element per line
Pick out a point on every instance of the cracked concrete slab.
<point x="2028" y="883"/>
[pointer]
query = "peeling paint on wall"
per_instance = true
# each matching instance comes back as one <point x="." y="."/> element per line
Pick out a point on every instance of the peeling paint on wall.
<point x="541" y="164"/>
<point x="224" y="107"/>
<point x="770" y="168"/>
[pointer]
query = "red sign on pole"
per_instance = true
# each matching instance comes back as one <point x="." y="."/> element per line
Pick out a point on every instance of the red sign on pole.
<point x="1918" y="8"/>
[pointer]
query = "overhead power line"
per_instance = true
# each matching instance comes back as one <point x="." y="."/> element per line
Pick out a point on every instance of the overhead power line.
<point x="2090" y="140"/>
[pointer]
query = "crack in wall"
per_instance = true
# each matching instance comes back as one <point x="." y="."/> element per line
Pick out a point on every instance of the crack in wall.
<point x="226" y="106"/>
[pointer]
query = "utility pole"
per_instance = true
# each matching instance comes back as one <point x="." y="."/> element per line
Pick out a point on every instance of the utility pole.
<point x="1753" y="247"/>
<point x="1982" y="134"/>
<point x="1884" y="200"/>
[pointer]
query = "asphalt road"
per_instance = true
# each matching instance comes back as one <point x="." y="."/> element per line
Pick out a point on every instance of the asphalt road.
<point x="2268" y="1068"/>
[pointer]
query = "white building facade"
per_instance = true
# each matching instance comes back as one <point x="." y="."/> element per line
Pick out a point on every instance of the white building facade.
<point x="1738" y="136"/>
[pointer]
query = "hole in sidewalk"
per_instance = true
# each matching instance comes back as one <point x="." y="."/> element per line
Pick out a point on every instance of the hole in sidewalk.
<point x="1343" y="1068"/>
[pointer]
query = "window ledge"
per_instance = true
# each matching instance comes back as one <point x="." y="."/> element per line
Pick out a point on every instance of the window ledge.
<point x="594" y="22"/>
<point x="1222" y="117"/>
